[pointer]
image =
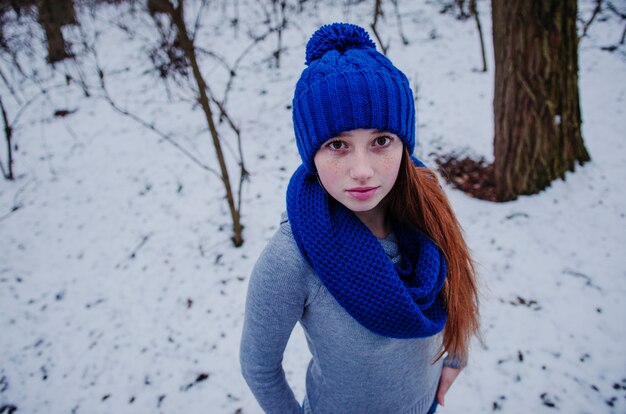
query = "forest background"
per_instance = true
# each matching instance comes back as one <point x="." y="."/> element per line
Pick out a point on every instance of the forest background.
<point x="123" y="274"/>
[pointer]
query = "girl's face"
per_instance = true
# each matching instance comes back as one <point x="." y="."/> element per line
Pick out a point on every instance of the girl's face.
<point x="358" y="168"/>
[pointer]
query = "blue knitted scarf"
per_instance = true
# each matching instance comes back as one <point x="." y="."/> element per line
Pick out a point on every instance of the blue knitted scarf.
<point x="394" y="300"/>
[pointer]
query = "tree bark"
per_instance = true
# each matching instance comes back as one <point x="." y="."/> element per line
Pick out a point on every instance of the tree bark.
<point x="536" y="103"/>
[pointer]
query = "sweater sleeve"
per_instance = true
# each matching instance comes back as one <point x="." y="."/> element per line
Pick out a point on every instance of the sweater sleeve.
<point x="275" y="301"/>
<point x="454" y="361"/>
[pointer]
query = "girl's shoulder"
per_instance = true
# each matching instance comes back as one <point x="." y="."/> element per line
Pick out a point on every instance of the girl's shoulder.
<point x="284" y="242"/>
<point x="285" y="226"/>
<point x="281" y="258"/>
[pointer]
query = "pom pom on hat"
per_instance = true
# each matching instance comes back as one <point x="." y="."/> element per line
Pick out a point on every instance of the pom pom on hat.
<point x="336" y="36"/>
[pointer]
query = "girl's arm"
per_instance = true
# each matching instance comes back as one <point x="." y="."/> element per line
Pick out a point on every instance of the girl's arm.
<point x="448" y="375"/>
<point x="452" y="366"/>
<point x="275" y="302"/>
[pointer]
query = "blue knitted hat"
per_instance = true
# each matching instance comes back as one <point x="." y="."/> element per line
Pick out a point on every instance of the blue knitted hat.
<point x="349" y="85"/>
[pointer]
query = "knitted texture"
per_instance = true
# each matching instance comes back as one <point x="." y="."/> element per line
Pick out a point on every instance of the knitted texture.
<point x="349" y="85"/>
<point x="399" y="301"/>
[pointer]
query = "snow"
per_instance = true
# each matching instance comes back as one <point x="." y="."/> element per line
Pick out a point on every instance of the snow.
<point x="120" y="290"/>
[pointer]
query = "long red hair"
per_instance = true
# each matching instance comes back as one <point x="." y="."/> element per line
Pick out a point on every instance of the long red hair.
<point x="418" y="201"/>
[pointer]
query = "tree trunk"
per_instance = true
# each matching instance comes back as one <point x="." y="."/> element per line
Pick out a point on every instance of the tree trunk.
<point x="53" y="15"/>
<point x="536" y="104"/>
<point x="187" y="45"/>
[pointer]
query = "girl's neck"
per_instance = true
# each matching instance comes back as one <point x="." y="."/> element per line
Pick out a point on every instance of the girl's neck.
<point x="376" y="221"/>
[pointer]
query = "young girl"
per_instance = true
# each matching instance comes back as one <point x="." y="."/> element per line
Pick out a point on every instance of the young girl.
<point x="369" y="257"/>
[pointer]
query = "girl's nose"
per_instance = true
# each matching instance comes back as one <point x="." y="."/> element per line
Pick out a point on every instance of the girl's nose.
<point x="361" y="168"/>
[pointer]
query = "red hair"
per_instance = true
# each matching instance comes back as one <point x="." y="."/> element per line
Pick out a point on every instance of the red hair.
<point x="418" y="201"/>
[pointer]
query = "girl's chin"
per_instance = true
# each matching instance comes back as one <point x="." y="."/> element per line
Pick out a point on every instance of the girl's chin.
<point x="361" y="206"/>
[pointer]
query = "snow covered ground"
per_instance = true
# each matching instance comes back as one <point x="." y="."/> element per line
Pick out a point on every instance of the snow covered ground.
<point x="120" y="290"/>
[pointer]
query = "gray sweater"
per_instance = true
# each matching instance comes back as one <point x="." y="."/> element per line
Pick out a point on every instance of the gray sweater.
<point x="353" y="370"/>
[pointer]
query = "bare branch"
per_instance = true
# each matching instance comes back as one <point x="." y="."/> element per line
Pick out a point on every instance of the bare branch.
<point x="107" y="97"/>
<point x="81" y="76"/>
<point x="43" y="91"/>
<point x="214" y="55"/>
<point x="378" y="11"/>
<point x="10" y="87"/>
<point x="396" y="9"/>
<point x="196" y="25"/>
<point x="243" y="173"/>
<point x="154" y="129"/>
<point x="474" y="12"/>
<point x="8" y="134"/>
<point x="596" y="10"/>
<point x="16" y="204"/>
<point x="611" y="7"/>
<point x="233" y="71"/>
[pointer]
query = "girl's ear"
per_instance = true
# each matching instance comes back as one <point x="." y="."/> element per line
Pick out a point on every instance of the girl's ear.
<point x="320" y="182"/>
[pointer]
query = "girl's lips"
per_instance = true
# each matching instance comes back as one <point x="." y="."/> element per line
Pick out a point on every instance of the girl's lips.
<point x="362" y="193"/>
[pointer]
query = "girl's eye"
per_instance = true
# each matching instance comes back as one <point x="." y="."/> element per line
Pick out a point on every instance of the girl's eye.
<point x="382" y="141"/>
<point x="336" y="145"/>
